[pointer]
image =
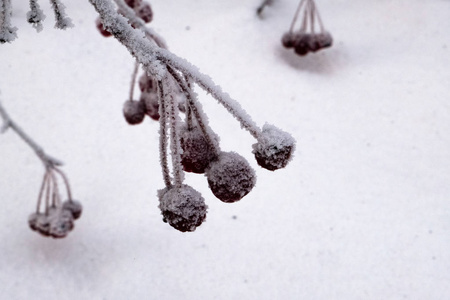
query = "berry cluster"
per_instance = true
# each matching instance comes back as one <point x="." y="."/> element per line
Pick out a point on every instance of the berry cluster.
<point x="167" y="90"/>
<point x="142" y="9"/>
<point x="194" y="147"/>
<point x="57" y="218"/>
<point x="305" y="39"/>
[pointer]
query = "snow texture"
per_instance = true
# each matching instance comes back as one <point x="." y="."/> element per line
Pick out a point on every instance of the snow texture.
<point x="361" y="212"/>
<point x="274" y="148"/>
<point x="230" y="177"/>
<point x="182" y="207"/>
<point x="35" y="16"/>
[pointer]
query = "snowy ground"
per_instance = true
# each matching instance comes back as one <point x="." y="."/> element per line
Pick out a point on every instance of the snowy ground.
<point x="362" y="212"/>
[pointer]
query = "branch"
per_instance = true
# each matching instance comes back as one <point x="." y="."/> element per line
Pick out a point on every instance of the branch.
<point x="48" y="161"/>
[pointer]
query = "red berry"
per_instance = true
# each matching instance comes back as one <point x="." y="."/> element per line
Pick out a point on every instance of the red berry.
<point x="301" y="44"/>
<point x="134" y="112"/>
<point x="197" y="154"/>
<point x="74" y="207"/>
<point x="230" y="177"/>
<point x="324" y="39"/>
<point x="144" y="11"/>
<point x="288" y="39"/>
<point x="133" y="3"/>
<point x="151" y="104"/>
<point x="147" y="84"/>
<point x="61" y="222"/>
<point x="274" y="148"/>
<point x="182" y="207"/>
<point x="103" y="31"/>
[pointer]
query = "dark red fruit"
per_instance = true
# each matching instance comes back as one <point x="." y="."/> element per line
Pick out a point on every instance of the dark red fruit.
<point x="274" y="148"/>
<point x="144" y="11"/>
<point x="151" y="104"/>
<point x="134" y="112"/>
<point x="301" y="44"/>
<point x="103" y="31"/>
<point x="230" y="177"/>
<point x="133" y="3"/>
<point x="324" y="39"/>
<point x="197" y="154"/>
<point x="288" y="40"/>
<point x="147" y="84"/>
<point x="74" y="207"/>
<point x="182" y="207"/>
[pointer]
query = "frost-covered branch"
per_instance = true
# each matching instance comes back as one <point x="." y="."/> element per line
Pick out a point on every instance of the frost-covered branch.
<point x="154" y="60"/>
<point x="35" y="16"/>
<point x="8" y="123"/>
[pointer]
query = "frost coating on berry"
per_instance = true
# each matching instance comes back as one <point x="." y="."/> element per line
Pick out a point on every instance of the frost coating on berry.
<point x="74" y="207"/>
<point x="197" y="154"/>
<point x="274" y="149"/>
<point x="39" y="222"/>
<point x="144" y="11"/>
<point x="147" y="84"/>
<point x="324" y="39"/>
<point x="151" y="104"/>
<point x="61" y="222"/>
<point x="134" y="112"/>
<point x="230" y="177"/>
<point x="182" y="207"/>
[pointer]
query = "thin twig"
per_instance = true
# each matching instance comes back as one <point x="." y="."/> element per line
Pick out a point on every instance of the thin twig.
<point x="47" y="160"/>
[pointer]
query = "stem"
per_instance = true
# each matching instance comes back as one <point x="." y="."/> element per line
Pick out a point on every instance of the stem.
<point x="294" y="20"/>
<point x="163" y="136"/>
<point x="174" y="140"/>
<point x="197" y="111"/>
<point x="47" y="160"/>
<point x="155" y="60"/>
<point x="41" y="190"/>
<point x="133" y="79"/>
<point x="66" y="182"/>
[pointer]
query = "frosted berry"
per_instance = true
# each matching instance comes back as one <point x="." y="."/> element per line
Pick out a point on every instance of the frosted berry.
<point x="144" y="11"/>
<point x="197" y="154"/>
<point x="288" y="40"/>
<point x="103" y="31"/>
<point x="147" y="84"/>
<point x="151" y="104"/>
<point x="274" y="148"/>
<point x="74" y="207"/>
<point x="61" y="222"/>
<point x="133" y="111"/>
<point x="39" y="222"/>
<point x="182" y="207"/>
<point x="230" y="177"/>
<point x="324" y="39"/>
<point x="301" y="44"/>
<point x="313" y="43"/>
<point x="133" y="3"/>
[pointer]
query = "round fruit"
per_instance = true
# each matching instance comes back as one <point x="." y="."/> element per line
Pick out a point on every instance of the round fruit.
<point x="182" y="207"/>
<point x="134" y="112"/>
<point x="274" y="148"/>
<point x="144" y="11"/>
<point x="74" y="207"/>
<point x="301" y="44"/>
<point x="288" y="39"/>
<point x="197" y="154"/>
<point x="103" y="31"/>
<point x="230" y="177"/>
<point x="151" y="104"/>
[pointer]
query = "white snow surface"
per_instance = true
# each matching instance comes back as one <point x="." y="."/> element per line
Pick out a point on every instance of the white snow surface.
<point x="361" y="212"/>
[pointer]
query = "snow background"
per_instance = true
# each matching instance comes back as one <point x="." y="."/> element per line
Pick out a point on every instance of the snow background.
<point x="362" y="212"/>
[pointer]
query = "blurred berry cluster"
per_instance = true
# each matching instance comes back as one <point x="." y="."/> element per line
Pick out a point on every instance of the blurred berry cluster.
<point x="56" y="219"/>
<point x="305" y="39"/>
